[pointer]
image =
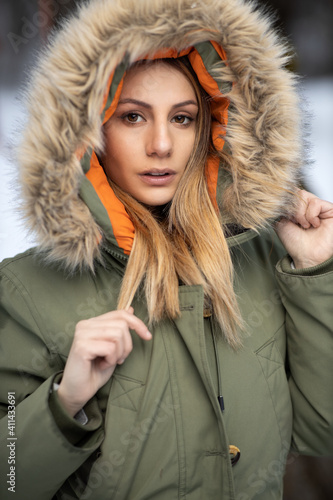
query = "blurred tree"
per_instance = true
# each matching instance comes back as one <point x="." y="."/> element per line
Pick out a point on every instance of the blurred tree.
<point x="55" y="11"/>
<point x="308" y="25"/>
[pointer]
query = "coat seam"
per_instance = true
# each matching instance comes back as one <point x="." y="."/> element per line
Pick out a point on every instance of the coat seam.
<point x="179" y="432"/>
<point x="270" y="393"/>
<point x="26" y="297"/>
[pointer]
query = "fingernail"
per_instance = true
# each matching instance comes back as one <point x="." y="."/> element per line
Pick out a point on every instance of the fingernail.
<point x="148" y="335"/>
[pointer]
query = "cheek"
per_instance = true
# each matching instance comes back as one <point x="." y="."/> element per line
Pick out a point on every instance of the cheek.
<point x="118" y="151"/>
<point x="121" y="145"/>
<point x="186" y="147"/>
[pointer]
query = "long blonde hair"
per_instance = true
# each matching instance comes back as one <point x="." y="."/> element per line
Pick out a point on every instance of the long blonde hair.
<point x="188" y="245"/>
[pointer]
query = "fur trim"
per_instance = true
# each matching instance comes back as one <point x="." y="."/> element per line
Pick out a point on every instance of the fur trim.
<point x="67" y="90"/>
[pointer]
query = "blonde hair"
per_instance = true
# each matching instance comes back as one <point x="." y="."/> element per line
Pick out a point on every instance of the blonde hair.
<point x="188" y="245"/>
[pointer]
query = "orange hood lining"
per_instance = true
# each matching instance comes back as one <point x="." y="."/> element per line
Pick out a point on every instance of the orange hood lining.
<point x="122" y="226"/>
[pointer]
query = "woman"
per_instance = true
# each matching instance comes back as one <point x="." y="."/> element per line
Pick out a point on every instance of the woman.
<point x="145" y="340"/>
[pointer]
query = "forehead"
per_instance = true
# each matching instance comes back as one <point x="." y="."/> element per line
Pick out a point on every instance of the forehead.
<point x="144" y="81"/>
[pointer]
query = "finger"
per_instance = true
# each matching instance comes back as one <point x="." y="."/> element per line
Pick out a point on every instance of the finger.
<point x="138" y="326"/>
<point x="132" y="322"/>
<point x="312" y="212"/>
<point x="119" y="349"/>
<point x="314" y="209"/>
<point x="300" y="215"/>
<point x="318" y="209"/>
<point x="101" y="329"/>
<point x="109" y="352"/>
<point x="303" y="216"/>
<point x="326" y="210"/>
<point x="135" y="324"/>
<point x="116" y="331"/>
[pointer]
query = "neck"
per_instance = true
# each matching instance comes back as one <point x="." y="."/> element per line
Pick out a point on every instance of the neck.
<point x="160" y="212"/>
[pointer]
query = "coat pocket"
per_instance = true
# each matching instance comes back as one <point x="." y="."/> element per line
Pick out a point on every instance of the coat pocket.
<point x="273" y="369"/>
<point x="125" y="392"/>
<point x="120" y="442"/>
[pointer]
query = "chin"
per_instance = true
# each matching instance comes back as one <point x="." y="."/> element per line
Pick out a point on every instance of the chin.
<point x="158" y="203"/>
<point x="154" y="201"/>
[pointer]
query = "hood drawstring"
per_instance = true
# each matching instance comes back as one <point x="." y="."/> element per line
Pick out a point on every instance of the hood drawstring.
<point x="217" y="361"/>
<point x="208" y="313"/>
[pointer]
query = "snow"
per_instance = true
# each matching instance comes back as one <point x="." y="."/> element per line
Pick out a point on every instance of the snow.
<point x="13" y="237"/>
<point x="319" y="176"/>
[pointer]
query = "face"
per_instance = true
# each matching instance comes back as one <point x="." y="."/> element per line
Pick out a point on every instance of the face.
<point x="150" y="137"/>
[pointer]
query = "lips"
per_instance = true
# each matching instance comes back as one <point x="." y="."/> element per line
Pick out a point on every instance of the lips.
<point x="154" y="174"/>
<point x="159" y="171"/>
<point x="158" y="177"/>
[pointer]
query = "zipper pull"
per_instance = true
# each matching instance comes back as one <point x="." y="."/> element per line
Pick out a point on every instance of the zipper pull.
<point x="221" y="402"/>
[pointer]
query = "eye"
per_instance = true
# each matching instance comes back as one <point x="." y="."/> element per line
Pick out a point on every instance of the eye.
<point x="132" y="117"/>
<point x="182" y="119"/>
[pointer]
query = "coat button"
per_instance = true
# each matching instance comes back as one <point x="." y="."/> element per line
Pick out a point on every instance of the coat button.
<point x="234" y="453"/>
<point x="207" y="312"/>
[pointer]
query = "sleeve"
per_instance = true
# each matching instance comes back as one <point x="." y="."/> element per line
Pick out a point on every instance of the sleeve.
<point x="40" y="445"/>
<point x="307" y="295"/>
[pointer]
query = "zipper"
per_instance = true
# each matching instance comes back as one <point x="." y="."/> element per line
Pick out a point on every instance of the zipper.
<point x="114" y="253"/>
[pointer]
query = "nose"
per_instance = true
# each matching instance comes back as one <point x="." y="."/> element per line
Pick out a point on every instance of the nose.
<point x="159" y="140"/>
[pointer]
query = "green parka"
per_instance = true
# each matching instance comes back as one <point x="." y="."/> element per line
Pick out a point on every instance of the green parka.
<point x="156" y="429"/>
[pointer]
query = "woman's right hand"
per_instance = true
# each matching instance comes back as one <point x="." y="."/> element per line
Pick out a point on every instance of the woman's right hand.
<point x="99" y="344"/>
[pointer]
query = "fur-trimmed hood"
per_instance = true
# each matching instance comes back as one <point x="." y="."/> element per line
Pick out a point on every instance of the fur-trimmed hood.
<point x="68" y="91"/>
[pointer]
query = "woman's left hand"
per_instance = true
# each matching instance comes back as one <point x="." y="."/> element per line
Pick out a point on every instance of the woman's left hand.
<point x="308" y="235"/>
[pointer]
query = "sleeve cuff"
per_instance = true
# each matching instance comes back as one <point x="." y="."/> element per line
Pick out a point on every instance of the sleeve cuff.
<point x="285" y="266"/>
<point x="77" y="429"/>
<point x="81" y="416"/>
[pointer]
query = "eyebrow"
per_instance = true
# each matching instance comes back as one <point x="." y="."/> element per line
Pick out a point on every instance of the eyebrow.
<point x="148" y="106"/>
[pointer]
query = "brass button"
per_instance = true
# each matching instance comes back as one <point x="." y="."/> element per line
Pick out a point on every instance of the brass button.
<point x="234" y="454"/>
<point x="207" y="312"/>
